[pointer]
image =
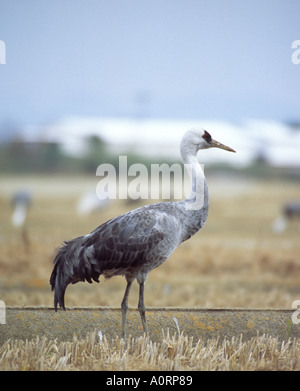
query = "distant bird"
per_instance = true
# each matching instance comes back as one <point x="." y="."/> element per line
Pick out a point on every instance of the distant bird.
<point x="290" y="211"/>
<point x="90" y="203"/>
<point x="21" y="202"/>
<point x="137" y="242"/>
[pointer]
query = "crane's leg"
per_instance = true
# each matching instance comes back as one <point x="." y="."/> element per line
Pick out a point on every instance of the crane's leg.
<point x="124" y="307"/>
<point x="142" y="309"/>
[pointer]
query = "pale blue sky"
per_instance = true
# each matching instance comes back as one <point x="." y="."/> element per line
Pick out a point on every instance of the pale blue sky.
<point x="211" y="59"/>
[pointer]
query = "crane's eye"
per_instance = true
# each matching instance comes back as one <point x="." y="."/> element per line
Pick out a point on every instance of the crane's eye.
<point x="207" y="137"/>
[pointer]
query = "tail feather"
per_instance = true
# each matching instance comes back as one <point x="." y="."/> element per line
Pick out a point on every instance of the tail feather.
<point x="70" y="266"/>
<point x="61" y="277"/>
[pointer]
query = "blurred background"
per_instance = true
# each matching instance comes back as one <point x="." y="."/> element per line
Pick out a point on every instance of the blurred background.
<point x="86" y="81"/>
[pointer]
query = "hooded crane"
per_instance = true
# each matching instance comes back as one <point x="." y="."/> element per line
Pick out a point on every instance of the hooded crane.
<point x="137" y="242"/>
<point x="21" y="202"/>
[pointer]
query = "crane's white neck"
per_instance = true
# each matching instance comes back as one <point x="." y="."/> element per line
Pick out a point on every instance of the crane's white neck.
<point x="198" y="197"/>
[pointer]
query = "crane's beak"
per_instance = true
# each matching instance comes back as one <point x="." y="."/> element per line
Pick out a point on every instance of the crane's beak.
<point x="216" y="144"/>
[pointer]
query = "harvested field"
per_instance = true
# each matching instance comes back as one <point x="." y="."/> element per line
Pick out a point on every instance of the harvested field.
<point x="174" y="353"/>
<point x="235" y="261"/>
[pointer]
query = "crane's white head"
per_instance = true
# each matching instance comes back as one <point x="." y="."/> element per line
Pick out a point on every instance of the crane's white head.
<point x="196" y="139"/>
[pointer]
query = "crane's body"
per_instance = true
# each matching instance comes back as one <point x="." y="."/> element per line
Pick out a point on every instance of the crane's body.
<point x="136" y="242"/>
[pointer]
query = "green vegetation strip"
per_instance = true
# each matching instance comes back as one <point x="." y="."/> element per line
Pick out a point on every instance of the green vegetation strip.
<point x="30" y="322"/>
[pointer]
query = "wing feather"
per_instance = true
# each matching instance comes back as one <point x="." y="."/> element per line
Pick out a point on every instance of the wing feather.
<point x="125" y="241"/>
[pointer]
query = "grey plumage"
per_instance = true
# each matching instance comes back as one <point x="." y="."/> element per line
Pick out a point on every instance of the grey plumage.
<point x="131" y="244"/>
<point x="136" y="242"/>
